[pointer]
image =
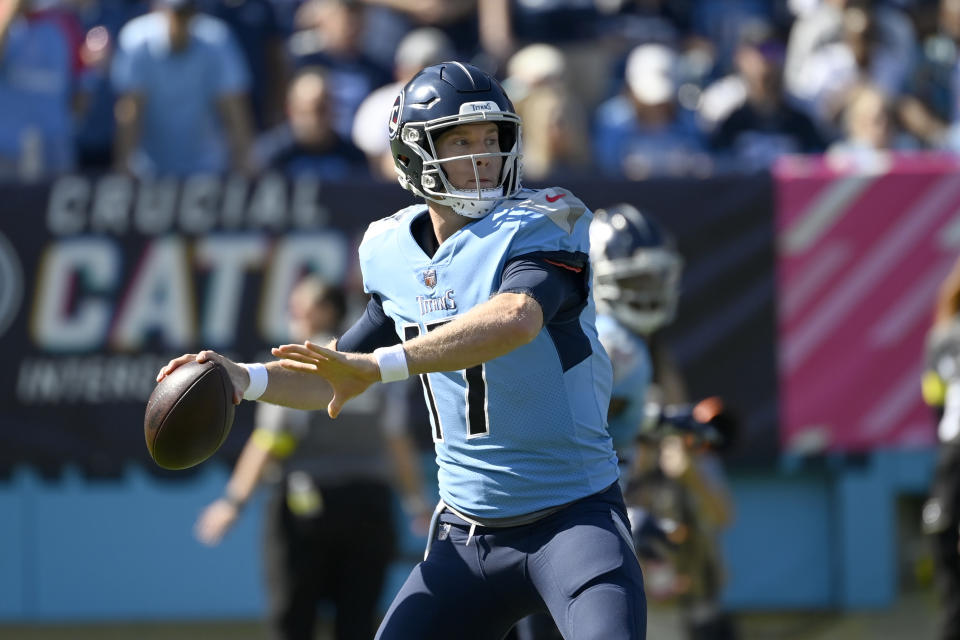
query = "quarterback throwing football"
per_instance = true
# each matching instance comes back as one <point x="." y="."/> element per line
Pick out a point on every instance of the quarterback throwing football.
<point x="484" y="292"/>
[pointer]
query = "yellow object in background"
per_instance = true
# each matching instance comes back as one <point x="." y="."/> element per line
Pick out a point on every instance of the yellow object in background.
<point x="934" y="389"/>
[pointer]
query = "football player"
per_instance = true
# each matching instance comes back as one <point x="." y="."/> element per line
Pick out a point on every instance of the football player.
<point x="636" y="284"/>
<point x="676" y="492"/>
<point x="484" y="291"/>
<point x="941" y="390"/>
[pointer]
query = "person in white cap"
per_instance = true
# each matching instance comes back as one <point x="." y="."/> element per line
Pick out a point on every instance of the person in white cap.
<point x="644" y="131"/>
<point x="556" y="131"/>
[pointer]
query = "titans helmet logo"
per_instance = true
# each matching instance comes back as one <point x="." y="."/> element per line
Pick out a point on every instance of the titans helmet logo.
<point x="394" y="123"/>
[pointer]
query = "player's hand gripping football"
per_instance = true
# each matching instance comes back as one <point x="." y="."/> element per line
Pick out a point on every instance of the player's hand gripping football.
<point x="349" y="374"/>
<point x="238" y="375"/>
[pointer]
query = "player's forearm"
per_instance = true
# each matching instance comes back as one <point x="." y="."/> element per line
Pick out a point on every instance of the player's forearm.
<point x="253" y="459"/>
<point x="295" y="389"/>
<point x="490" y="330"/>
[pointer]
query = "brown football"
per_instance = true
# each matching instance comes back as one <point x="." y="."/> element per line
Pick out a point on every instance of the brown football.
<point x="189" y="415"/>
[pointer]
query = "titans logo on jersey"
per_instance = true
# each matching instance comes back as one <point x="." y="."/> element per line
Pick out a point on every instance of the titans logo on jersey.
<point x="437" y="303"/>
<point x="526" y="431"/>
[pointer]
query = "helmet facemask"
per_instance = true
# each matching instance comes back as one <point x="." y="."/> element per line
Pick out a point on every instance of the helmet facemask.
<point x="640" y="291"/>
<point x="435" y="185"/>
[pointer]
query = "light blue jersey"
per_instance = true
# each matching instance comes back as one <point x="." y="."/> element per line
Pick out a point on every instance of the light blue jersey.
<point x="632" y="374"/>
<point x="525" y="431"/>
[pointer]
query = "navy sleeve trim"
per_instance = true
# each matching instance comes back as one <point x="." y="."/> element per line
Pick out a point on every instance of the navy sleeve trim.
<point x="374" y="329"/>
<point x="556" y="280"/>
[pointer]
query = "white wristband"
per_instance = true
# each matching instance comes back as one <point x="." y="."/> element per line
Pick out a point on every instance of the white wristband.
<point x="392" y="362"/>
<point x="258" y="380"/>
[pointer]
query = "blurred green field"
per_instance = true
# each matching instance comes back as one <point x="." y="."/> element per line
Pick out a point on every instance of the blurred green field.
<point x="913" y="616"/>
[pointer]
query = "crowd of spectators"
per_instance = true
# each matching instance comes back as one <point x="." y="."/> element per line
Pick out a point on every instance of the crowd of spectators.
<point x="632" y="89"/>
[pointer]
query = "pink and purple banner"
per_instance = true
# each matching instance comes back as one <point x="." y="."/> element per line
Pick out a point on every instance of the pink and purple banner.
<point x="860" y="258"/>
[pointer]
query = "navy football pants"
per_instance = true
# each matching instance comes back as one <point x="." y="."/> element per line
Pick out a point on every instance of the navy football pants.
<point x="578" y="564"/>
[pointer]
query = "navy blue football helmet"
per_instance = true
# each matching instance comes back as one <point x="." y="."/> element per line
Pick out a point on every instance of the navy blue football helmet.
<point x="439" y="97"/>
<point x="636" y="268"/>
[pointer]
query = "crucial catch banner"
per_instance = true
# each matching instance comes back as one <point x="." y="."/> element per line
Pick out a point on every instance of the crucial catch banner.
<point x="104" y="278"/>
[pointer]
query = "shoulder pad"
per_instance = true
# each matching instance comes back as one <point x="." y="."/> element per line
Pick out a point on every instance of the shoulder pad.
<point x="559" y="205"/>
<point x="383" y="225"/>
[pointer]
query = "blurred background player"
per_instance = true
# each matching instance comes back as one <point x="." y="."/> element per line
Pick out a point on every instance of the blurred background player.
<point x="675" y="488"/>
<point x="941" y="390"/>
<point x="330" y="532"/>
<point x="637" y="273"/>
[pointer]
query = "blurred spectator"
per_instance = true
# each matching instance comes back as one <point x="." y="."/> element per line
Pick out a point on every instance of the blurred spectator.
<point x="941" y="390"/>
<point x="644" y="131"/>
<point x="802" y="8"/>
<point x="719" y="99"/>
<point x="329" y="533"/>
<point x="95" y="124"/>
<point x="764" y="126"/>
<point x="112" y="14"/>
<point x="330" y="36"/>
<point x="929" y="107"/>
<point x="666" y="22"/>
<point x="419" y="48"/>
<point x="870" y="133"/>
<point x="861" y="55"/>
<point x="182" y="83"/>
<point x="307" y="143"/>
<point x="256" y="28"/>
<point x="286" y="12"/>
<point x="456" y="18"/>
<point x="555" y="131"/>
<point x="720" y="22"/>
<point x="39" y="71"/>
<point x="824" y="25"/>
<point x="573" y="26"/>
<point x="95" y="129"/>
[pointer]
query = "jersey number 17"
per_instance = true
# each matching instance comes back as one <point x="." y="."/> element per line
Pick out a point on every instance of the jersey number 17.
<point x="475" y="396"/>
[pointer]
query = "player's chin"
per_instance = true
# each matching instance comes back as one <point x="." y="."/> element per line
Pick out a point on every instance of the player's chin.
<point x="470" y="184"/>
